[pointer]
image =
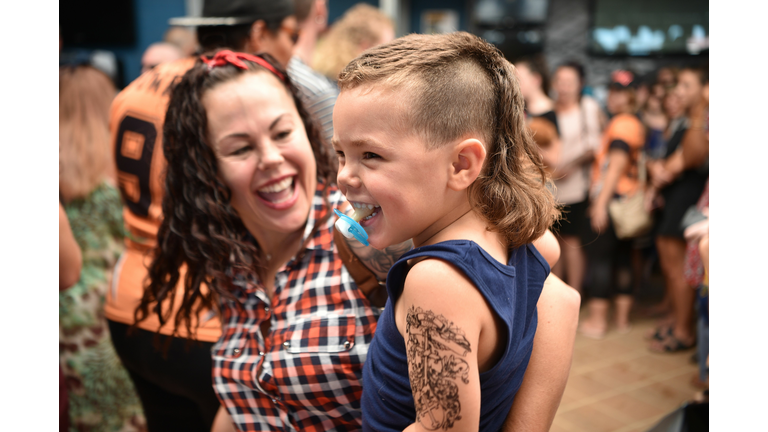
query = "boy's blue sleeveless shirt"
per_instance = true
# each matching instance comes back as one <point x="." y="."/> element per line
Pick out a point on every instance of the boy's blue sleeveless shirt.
<point x="512" y="291"/>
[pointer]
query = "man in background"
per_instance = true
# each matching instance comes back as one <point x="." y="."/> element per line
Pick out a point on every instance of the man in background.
<point x="159" y="52"/>
<point x="317" y="92"/>
<point x="182" y="37"/>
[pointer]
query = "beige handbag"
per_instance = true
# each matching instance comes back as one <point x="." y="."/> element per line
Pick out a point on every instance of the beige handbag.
<point x="628" y="213"/>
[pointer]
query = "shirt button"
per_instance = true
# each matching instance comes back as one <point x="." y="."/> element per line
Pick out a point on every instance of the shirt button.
<point x="266" y="308"/>
<point x="287" y="344"/>
<point x="347" y="344"/>
<point x="236" y="351"/>
<point x="261" y="353"/>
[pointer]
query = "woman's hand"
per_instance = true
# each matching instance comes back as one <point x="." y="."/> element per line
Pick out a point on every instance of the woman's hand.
<point x="659" y="176"/>
<point x="598" y="214"/>
<point x="651" y="199"/>
<point x="698" y="230"/>
<point x="569" y="168"/>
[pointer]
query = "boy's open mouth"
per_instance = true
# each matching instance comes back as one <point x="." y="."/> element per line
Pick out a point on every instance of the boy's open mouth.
<point x="364" y="212"/>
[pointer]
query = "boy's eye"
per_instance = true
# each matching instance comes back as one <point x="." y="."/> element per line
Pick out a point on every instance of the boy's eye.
<point x="339" y="153"/>
<point x="369" y="155"/>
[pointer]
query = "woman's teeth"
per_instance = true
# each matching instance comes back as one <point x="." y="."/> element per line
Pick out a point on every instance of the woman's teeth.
<point x="277" y="187"/>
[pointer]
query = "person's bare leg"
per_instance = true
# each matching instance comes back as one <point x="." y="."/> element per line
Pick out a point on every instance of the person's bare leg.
<point x="663" y="309"/>
<point x="672" y="258"/>
<point x="575" y="261"/>
<point x="596" y="324"/>
<point x="623" y="304"/>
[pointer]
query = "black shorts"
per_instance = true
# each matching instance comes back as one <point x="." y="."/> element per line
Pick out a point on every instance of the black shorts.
<point x="573" y="221"/>
<point x="678" y="196"/>
<point x="176" y="387"/>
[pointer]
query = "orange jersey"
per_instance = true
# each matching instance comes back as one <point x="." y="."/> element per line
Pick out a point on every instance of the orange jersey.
<point x="136" y="125"/>
<point x="627" y="128"/>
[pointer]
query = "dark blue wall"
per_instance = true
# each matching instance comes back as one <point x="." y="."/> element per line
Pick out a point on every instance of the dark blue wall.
<point x="151" y="21"/>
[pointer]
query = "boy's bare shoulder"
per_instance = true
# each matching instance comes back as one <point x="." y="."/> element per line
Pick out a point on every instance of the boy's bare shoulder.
<point x="429" y="277"/>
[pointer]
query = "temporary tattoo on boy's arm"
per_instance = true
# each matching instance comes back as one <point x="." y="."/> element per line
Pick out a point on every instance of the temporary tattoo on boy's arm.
<point x="380" y="261"/>
<point x="433" y="367"/>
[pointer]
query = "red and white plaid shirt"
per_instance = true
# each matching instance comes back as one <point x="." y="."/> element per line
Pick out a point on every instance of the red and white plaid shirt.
<point x="306" y="375"/>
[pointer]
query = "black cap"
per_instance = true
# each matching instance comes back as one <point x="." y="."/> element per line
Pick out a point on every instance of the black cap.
<point x="622" y="79"/>
<point x="236" y="12"/>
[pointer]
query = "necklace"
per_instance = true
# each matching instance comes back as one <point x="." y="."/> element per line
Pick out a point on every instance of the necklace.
<point x="441" y="229"/>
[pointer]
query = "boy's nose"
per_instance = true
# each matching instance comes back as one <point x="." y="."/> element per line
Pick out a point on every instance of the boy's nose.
<point x="347" y="177"/>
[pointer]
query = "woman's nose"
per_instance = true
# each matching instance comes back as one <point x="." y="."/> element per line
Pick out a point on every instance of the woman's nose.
<point x="271" y="157"/>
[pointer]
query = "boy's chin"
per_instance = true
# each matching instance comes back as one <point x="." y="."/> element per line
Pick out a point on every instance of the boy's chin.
<point x="378" y="241"/>
<point x="378" y="245"/>
<point x="382" y="242"/>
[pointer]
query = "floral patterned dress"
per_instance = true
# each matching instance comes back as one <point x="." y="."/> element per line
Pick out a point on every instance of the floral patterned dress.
<point x="101" y="393"/>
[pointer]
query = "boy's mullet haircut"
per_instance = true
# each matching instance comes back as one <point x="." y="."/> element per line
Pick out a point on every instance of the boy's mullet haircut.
<point x="459" y="84"/>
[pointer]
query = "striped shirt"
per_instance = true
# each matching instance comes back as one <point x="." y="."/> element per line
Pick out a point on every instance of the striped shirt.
<point x="305" y="375"/>
<point x="317" y="93"/>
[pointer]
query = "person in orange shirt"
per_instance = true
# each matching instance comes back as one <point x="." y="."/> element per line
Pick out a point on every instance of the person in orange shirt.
<point x="614" y="174"/>
<point x="175" y="386"/>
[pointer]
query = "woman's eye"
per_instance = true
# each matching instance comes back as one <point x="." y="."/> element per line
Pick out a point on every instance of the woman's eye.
<point x="240" y="151"/>
<point x="369" y="155"/>
<point x="283" y="135"/>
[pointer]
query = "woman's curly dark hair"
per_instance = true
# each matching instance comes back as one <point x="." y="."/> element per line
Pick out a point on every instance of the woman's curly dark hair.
<point x="200" y="228"/>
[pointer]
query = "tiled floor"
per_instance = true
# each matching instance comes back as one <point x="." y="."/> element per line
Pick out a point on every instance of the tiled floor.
<point x="617" y="385"/>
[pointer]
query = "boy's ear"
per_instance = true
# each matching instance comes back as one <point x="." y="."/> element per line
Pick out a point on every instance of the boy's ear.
<point x="468" y="159"/>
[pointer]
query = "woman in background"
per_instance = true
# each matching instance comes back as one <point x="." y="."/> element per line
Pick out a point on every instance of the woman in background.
<point x="680" y="179"/>
<point x="361" y="27"/>
<point x="70" y="264"/>
<point x="101" y="395"/>
<point x="533" y="76"/>
<point x="614" y="174"/>
<point x="578" y="118"/>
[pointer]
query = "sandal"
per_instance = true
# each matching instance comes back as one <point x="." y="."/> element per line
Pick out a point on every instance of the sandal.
<point x="670" y="344"/>
<point x="659" y="334"/>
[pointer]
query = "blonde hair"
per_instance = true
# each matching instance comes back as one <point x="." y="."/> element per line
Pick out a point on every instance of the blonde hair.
<point x="459" y="84"/>
<point x="362" y="26"/>
<point x="85" y="153"/>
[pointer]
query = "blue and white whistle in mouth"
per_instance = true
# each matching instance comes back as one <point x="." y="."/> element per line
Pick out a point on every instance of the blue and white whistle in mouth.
<point x="350" y="228"/>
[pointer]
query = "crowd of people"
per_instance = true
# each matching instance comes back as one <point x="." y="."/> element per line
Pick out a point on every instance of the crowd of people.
<point x="203" y="286"/>
<point x="632" y="178"/>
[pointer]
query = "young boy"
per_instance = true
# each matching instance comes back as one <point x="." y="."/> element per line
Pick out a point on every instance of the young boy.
<point x="432" y="145"/>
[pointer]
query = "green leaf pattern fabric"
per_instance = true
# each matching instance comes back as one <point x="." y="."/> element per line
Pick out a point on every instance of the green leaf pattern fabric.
<point x="101" y="394"/>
